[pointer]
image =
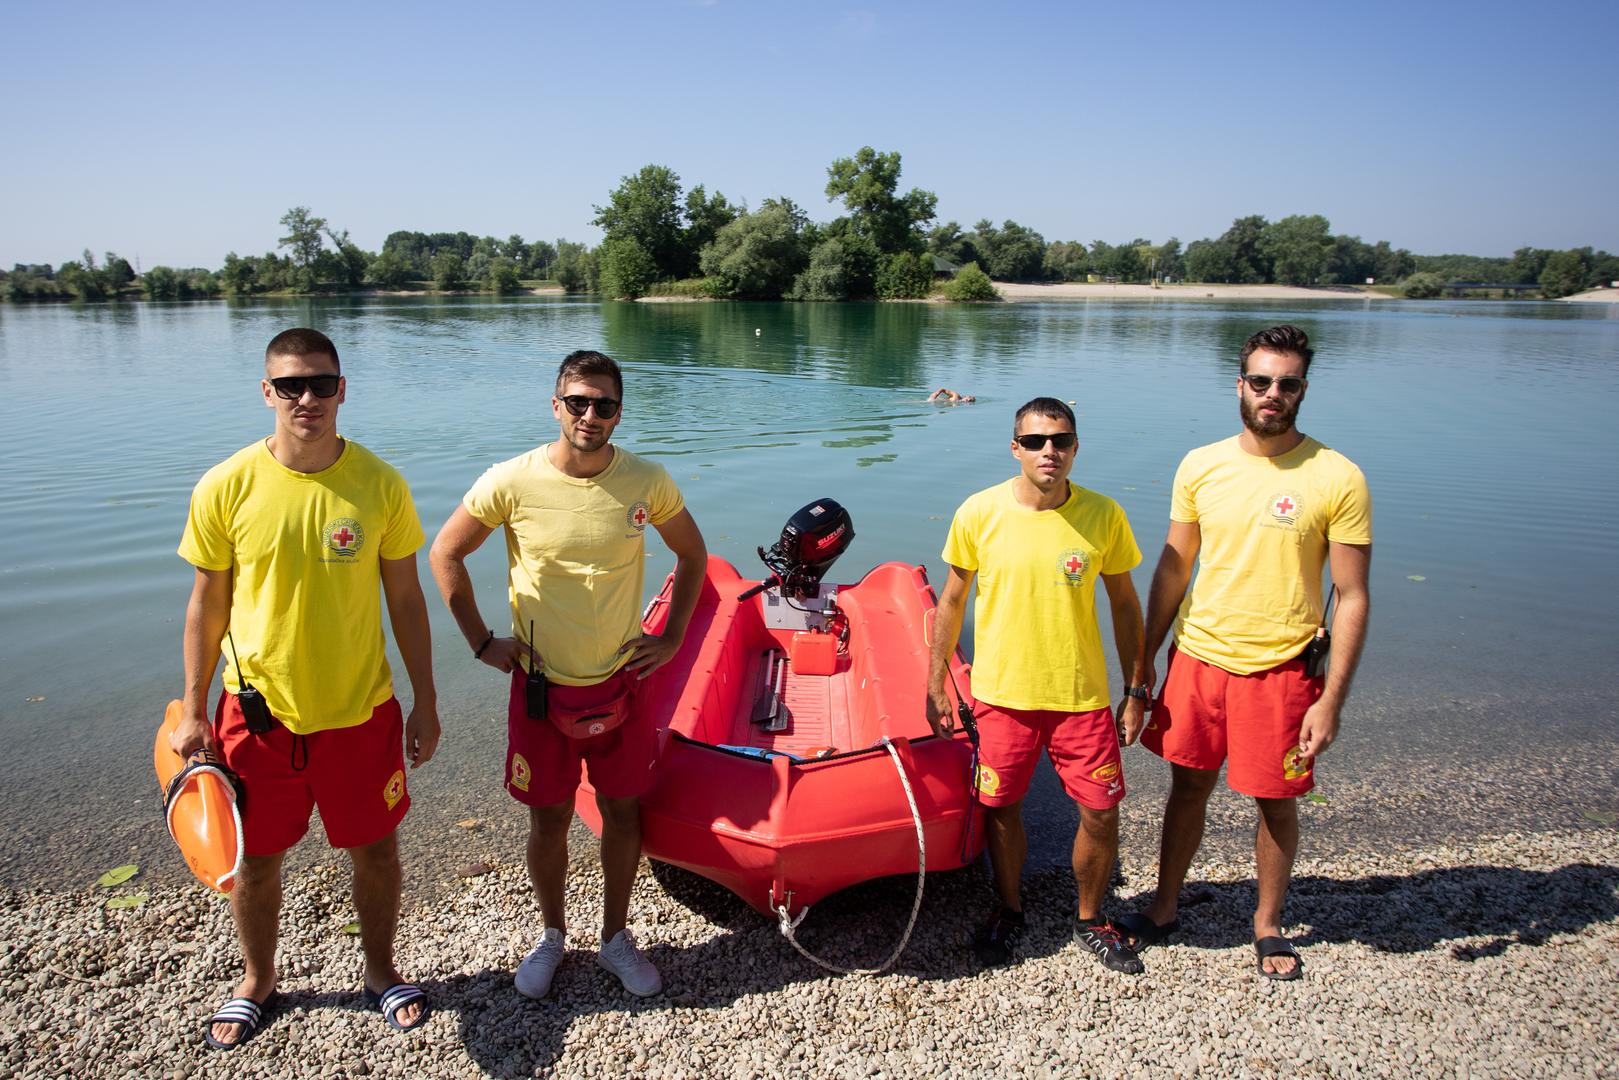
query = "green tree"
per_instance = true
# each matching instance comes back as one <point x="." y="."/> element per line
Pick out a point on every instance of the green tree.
<point x="1390" y="264"/>
<point x="1564" y="274"/>
<point x="1297" y="248"/>
<point x="971" y="284"/>
<point x="577" y="268"/>
<point x="758" y="256"/>
<point x="868" y="185"/>
<point x="350" y="263"/>
<point x="823" y="278"/>
<point x="705" y="217"/>
<point x="303" y="236"/>
<point x="390" y="270"/>
<point x="905" y="275"/>
<point x="1422" y="286"/>
<point x="239" y="276"/>
<point x="645" y="210"/>
<point x="1210" y="260"/>
<point x="627" y="268"/>
<point x="501" y="277"/>
<point x="948" y="242"/>
<point x="161" y="283"/>
<point x="1066" y="261"/>
<point x="1248" y="263"/>
<point x="449" y="271"/>
<point x="1010" y="253"/>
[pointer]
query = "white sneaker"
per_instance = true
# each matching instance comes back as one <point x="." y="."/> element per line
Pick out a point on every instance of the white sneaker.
<point x="534" y="974"/>
<point x="635" y="971"/>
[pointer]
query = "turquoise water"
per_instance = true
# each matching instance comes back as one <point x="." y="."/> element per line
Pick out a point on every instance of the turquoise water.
<point x="1489" y="434"/>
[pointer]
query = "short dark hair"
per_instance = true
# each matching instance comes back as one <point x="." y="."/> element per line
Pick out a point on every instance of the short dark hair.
<point x="302" y="341"/>
<point x="1285" y="338"/>
<point x="586" y="362"/>
<point x="1048" y="407"/>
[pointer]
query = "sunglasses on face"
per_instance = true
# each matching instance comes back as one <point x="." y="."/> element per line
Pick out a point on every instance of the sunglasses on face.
<point x="1287" y="384"/>
<point x="1062" y="440"/>
<point x="606" y="407"/>
<point x="292" y="387"/>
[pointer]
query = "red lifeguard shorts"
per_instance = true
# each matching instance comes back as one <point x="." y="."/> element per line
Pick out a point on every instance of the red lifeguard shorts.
<point x="355" y="775"/>
<point x="543" y="765"/>
<point x="1084" y="749"/>
<point x="1205" y="715"/>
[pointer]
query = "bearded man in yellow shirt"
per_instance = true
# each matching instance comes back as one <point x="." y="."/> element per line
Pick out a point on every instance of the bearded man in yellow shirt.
<point x="575" y="513"/>
<point x="1259" y="514"/>
<point x="290" y="538"/>
<point x="1037" y="545"/>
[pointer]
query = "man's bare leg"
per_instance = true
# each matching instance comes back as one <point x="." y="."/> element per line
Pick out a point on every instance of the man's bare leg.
<point x="1185" y="812"/>
<point x="548" y="860"/>
<point x="1096" y="849"/>
<point x="255" y="903"/>
<point x="1008" y="850"/>
<point x="376" y="902"/>
<point x="1276" y="843"/>
<point x="621" y="857"/>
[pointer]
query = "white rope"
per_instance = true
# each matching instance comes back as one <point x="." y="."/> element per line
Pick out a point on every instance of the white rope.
<point x="788" y="925"/>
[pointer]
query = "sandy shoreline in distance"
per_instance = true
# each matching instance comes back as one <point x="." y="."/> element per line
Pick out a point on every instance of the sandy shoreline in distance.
<point x="1596" y="296"/>
<point x="1079" y="290"/>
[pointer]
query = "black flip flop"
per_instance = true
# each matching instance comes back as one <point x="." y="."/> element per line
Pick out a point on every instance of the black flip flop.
<point x="396" y="997"/>
<point x="1143" y="930"/>
<point x="1267" y="947"/>
<point x="238" y="1010"/>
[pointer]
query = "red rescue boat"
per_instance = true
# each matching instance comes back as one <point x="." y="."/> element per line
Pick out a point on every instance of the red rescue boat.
<point x="795" y="754"/>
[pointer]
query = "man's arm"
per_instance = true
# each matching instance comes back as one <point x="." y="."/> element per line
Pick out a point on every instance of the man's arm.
<point x="1350" y="566"/>
<point x="461" y="536"/>
<point x="1169" y="583"/>
<point x="947" y="619"/>
<point x="207" y="617"/>
<point x="1127" y="635"/>
<point x="649" y="652"/>
<point x="407" y="611"/>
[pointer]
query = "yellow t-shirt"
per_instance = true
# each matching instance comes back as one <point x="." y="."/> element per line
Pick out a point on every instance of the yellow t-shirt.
<point x="306" y="594"/>
<point x="576" y="554"/>
<point x="1037" y="644"/>
<point x="1265" y="525"/>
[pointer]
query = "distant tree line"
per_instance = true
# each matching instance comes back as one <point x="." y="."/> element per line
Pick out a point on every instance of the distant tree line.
<point x="659" y="237"/>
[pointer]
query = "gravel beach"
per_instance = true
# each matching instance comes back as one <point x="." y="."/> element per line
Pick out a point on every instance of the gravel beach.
<point x="1494" y="958"/>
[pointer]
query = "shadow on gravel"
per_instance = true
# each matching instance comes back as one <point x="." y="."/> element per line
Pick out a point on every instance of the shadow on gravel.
<point x="1413" y="912"/>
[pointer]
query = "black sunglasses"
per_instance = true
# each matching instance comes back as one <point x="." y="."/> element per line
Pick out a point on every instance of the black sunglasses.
<point x="292" y="387"/>
<point x="1287" y="384"/>
<point x="1062" y="440"/>
<point x="606" y="407"/>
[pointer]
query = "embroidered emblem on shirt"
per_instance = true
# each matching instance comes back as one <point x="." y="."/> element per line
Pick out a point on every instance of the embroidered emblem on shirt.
<point x="1073" y="563"/>
<point x="638" y="515"/>
<point x="343" y="537"/>
<point x="1284" y="506"/>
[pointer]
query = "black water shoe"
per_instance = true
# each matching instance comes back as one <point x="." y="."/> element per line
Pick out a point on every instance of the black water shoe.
<point x="1103" y="939"/>
<point x="997" y="940"/>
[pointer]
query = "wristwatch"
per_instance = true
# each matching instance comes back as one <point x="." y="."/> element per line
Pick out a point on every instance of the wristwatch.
<point x="1136" y="692"/>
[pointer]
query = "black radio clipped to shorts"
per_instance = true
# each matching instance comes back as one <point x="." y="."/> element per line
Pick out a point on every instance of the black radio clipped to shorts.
<point x="1320" y="647"/>
<point x="535" y="687"/>
<point x="255" y="710"/>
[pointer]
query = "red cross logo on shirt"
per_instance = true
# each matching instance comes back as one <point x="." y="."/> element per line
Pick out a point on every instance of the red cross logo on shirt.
<point x="639" y="516"/>
<point x="1284" y="506"/>
<point x="1074" y="565"/>
<point x="343" y="537"/>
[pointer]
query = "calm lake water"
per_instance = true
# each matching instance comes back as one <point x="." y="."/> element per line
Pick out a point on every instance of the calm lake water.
<point x="1489" y="433"/>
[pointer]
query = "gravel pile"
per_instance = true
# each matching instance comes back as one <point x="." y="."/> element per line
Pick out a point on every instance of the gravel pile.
<point x="1495" y="958"/>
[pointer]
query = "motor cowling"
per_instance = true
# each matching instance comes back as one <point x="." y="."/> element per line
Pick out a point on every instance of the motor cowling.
<point x="810" y="543"/>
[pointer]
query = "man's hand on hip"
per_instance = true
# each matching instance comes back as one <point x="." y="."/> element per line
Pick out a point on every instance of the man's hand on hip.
<point x="648" y="653"/>
<point x="504" y="653"/>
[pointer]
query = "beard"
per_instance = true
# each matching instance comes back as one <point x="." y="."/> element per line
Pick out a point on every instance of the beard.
<point x="1280" y="424"/>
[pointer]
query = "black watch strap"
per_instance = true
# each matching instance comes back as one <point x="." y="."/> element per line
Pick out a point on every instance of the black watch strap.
<point x="1136" y="692"/>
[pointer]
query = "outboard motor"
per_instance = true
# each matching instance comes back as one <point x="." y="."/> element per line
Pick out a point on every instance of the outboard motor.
<point x="810" y="543"/>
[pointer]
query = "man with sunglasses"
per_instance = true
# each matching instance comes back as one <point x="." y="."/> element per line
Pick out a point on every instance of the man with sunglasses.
<point x="1259" y="514"/>
<point x="290" y="539"/>
<point x="1037" y="544"/>
<point x="575" y="513"/>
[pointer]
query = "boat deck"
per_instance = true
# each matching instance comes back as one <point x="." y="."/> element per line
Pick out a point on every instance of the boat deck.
<point x="819" y="712"/>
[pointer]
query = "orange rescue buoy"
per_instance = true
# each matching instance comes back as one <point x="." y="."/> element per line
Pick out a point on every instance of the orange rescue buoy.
<point x="199" y="804"/>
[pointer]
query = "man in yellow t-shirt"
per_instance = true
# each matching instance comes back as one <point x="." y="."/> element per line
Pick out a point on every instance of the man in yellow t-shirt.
<point x="1037" y="545"/>
<point x="575" y="513"/>
<point x="291" y="538"/>
<point x="1259" y="514"/>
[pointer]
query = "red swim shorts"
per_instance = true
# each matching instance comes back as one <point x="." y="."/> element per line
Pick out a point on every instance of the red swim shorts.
<point x="355" y="775"/>
<point x="543" y="765"/>
<point x="1084" y="749"/>
<point x="1205" y="715"/>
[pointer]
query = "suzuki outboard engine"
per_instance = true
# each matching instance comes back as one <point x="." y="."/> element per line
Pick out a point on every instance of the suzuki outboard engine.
<point x="810" y="543"/>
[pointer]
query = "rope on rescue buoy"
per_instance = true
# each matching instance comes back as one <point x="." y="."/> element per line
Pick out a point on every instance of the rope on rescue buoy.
<point x="788" y="924"/>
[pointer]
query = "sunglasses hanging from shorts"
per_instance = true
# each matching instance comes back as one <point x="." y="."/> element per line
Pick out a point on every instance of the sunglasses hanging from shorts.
<point x="255" y="710"/>
<point x="1287" y="384"/>
<point x="292" y="387"/>
<point x="1062" y="440"/>
<point x="606" y="407"/>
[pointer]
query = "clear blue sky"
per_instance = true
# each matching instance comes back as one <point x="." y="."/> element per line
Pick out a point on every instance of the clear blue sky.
<point x="174" y="133"/>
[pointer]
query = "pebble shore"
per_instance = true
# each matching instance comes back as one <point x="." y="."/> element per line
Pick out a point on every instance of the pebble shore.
<point x="1497" y="957"/>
